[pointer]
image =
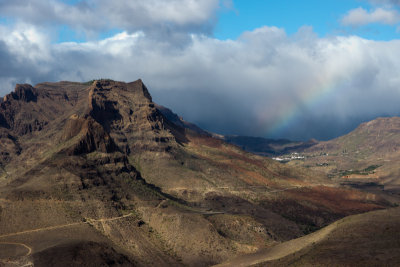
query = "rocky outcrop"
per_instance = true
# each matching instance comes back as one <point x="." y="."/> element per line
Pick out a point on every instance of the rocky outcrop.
<point x="9" y="146"/>
<point x="3" y="122"/>
<point x="89" y="136"/>
<point x="127" y="113"/>
<point x="14" y="114"/>
<point x="25" y="92"/>
<point x="103" y="110"/>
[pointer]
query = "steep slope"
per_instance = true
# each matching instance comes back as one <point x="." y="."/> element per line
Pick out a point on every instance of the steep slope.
<point x="96" y="166"/>
<point x="179" y="122"/>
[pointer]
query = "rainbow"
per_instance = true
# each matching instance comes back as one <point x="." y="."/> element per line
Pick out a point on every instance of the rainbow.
<point x="310" y="98"/>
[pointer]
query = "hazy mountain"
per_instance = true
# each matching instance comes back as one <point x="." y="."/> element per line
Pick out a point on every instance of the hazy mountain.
<point x="369" y="154"/>
<point x="268" y="147"/>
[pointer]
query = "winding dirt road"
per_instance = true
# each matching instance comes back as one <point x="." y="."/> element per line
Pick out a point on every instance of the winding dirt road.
<point x="23" y="259"/>
<point x="66" y="225"/>
<point x="14" y="256"/>
<point x="28" y="248"/>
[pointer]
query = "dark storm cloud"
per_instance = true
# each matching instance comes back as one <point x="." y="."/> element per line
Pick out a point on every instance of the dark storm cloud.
<point x="94" y="16"/>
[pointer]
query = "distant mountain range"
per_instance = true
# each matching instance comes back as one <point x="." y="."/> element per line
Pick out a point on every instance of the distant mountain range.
<point x="257" y="145"/>
<point x="268" y="147"/>
<point x="367" y="155"/>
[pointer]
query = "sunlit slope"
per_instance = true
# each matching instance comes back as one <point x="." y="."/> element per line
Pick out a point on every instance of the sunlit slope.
<point x="369" y="154"/>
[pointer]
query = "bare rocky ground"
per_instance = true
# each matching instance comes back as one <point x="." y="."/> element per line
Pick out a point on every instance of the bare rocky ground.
<point x="94" y="174"/>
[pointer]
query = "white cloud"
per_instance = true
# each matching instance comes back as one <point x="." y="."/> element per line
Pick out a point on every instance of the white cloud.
<point x="385" y="2"/>
<point x="360" y="17"/>
<point x="26" y="42"/>
<point x="245" y="86"/>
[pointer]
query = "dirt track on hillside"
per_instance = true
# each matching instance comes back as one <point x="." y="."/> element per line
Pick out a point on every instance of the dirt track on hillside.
<point x="66" y="225"/>
<point x="10" y="249"/>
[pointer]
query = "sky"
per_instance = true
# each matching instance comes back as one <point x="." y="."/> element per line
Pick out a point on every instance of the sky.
<point x="281" y="69"/>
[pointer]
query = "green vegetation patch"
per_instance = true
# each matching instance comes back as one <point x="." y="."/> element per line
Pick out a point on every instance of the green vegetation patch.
<point x="369" y="170"/>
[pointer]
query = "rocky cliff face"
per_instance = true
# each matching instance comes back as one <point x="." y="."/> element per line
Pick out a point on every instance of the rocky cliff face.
<point x="90" y="135"/>
<point x="127" y="112"/>
<point x="107" y="115"/>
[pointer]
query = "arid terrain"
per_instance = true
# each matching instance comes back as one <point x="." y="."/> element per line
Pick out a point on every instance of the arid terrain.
<point x="365" y="158"/>
<point x="96" y="174"/>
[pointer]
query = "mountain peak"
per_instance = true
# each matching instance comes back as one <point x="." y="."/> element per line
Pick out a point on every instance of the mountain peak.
<point x="24" y="92"/>
<point x="122" y="114"/>
<point x="138" y="86"/>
